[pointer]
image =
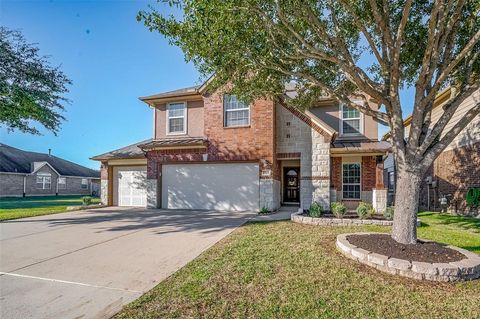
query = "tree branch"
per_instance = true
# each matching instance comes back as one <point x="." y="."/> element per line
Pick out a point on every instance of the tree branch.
<point x="438" y="147"/>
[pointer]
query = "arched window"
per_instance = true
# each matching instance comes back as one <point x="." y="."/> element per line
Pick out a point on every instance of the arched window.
<point x="292" y="173"/>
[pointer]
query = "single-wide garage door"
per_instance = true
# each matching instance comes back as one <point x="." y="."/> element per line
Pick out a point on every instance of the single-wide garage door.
<point x="129" y="187"/>
<point x="231" y="187"/>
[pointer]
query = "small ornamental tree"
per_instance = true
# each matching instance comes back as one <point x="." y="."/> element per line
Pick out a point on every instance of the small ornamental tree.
<point x="321" y="46"/>
<point x="31" y="91"/>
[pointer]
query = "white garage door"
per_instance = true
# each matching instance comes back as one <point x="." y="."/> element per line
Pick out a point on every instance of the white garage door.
<point x="231" y="187"/>
<point x="130" y="186"/>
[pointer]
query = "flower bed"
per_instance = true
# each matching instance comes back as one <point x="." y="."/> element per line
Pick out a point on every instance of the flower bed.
<point x="459" y="264"/>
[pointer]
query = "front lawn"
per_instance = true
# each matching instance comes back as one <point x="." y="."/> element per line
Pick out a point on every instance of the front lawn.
<point x="463" y="232"/>
<point x="18" y="207"/>
<point x="288" y="270"/>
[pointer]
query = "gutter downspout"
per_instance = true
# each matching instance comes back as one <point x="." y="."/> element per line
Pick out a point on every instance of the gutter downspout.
<point x="24" y="185"/>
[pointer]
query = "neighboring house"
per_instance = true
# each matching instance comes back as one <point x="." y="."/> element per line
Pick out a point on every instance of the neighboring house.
<point x="457" y="169"/>
<point x="25" y="173"/>
<point x="212" y="151"/>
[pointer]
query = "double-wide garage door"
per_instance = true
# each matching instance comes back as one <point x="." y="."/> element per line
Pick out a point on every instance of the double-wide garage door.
<point x="233" y="187"/>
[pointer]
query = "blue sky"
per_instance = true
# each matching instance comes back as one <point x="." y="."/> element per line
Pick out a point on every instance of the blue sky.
<point x="112" y="60"/>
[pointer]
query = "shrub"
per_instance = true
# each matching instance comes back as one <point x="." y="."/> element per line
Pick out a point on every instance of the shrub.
<point x="365" y="210"/>
<point x="388" y="213"/>
<point x="264" y="211"/>
<point x="338" y="209"/>
<point x="86" y="200"/>
<point x="315" y="210"/>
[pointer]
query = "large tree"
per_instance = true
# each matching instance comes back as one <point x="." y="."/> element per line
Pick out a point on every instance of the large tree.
<point x="366" y="48"/>
<point x="31" y="91"/>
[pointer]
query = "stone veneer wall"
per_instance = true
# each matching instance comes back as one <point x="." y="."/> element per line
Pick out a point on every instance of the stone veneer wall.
<point x="269" y="194"/>
<point x="152" y="201"/>
<point x="296" y="136"/>
<point x="104" y="183"/>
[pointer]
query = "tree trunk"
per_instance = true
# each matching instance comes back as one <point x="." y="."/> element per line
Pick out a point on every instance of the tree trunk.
<point x="406" y="205"/>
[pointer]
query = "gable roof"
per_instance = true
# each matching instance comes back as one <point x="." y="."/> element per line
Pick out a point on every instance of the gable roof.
<point x="190" y="90"/>
<point x="129" y="151"/>
<point x="14" y="160"/>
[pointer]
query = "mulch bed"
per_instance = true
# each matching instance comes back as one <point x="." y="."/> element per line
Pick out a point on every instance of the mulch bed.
<point x="383" y="244"/>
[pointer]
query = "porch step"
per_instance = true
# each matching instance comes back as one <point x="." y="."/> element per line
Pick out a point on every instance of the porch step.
<point x="288" y="208"/>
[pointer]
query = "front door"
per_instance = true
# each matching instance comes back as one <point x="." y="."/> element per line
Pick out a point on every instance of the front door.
<point x="291" y="184"/>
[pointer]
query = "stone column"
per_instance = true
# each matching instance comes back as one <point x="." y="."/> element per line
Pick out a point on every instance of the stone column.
<point x="269" y="191"/>
<point x="151" y="193"/>
<point x="379" y="200"/>
<point x="379" y="193"/>
<point x="154" y="169"/>
<point x="104" y="183"/>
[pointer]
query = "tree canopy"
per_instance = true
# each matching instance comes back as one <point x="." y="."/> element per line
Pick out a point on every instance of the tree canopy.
<point x="31" y="90"/>
<point x="334" y="48"/>
<point x="351" y="50"/>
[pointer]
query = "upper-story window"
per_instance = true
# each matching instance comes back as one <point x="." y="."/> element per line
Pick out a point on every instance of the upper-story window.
<point x="176" y="118"/>
<point x="236" y="112"/>
<point x="44" y="180"/>
<point x="351" y="121"/>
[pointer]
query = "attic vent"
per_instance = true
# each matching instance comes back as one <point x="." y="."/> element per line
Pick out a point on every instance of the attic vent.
<point x="288" y="123"/>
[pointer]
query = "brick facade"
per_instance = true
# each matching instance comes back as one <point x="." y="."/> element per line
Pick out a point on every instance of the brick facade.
<point x="454" y="171"/>
<point x="336" y="172"/>
<point x="256" y="142"/>
<point x="253" y="143"/>
<point x="371" y="181"/>
<point x="277" y="135"/>
<point x="369" y="165"/>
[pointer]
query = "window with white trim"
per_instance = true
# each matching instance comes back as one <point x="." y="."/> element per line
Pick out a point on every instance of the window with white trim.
<point x="44" y="180"/>
<point x="351" y="121"/>
<point x="62" y="183"/>
<point x="351" y="180"/>
<point x="391" y="180"/>
<point x="84" y="183"/>
<point x="236" y="112"/>
<point x="176" y="118"/>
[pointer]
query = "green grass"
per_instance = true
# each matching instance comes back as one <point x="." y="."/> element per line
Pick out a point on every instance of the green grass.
<point x="463" y="232"/>
<point x="288" y="270"/>
<point x="18" y="207"/>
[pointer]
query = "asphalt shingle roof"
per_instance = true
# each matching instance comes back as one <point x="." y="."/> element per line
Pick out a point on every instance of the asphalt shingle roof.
<point x="14" y="160"/>
<point x="182" y="91"/>
<point x="130" y="151"/>
<point x="176" y="141"/>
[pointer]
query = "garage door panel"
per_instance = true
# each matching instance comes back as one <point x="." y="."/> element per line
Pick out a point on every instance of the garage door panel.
<point x="130" y="186"/>
<point x="211" y="186"/>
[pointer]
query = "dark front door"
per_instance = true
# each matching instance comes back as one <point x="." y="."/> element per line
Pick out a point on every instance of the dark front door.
<point x="291" y="184"/>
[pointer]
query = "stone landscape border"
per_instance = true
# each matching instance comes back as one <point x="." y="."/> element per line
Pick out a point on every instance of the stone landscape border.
<point x="465" y="269"/>
<point x="299" y="218"/>
<point x="327" y="221"/>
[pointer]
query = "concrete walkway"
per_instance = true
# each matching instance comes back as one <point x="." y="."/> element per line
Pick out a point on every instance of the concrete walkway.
<point x="89" y="264"/>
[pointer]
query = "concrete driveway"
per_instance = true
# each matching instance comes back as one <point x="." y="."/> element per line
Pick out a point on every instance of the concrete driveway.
<point x="89" y="264"/>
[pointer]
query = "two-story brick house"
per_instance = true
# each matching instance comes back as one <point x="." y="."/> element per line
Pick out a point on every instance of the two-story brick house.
<point x="212" y="151"/>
